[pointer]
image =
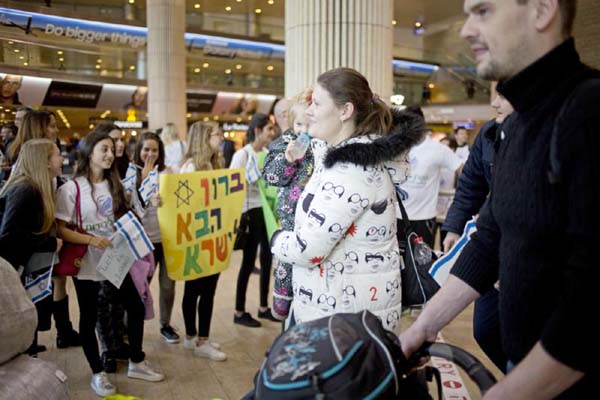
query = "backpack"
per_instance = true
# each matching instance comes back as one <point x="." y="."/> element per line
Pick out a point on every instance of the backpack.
<point x="342" y="356"/>
<point x="351" y="356"/>
<point x="418" y="285"/>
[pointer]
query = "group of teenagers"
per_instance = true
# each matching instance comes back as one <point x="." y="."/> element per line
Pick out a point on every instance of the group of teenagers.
<point x="334" y="201"/>
<point x="40" y="210"/>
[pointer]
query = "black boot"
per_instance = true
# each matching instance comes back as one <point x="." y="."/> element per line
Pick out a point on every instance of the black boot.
<point x="66" y="336"/>
<point x="35" y="348"/>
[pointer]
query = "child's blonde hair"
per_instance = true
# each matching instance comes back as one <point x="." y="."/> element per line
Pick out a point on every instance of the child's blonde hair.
<point x="302" y="99"/>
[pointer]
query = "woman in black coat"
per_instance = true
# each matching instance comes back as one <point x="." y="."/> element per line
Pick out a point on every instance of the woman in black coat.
<point x="27" y="216"/>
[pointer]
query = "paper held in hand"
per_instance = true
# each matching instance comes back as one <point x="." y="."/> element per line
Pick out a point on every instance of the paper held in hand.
<point x="129" y="243"/>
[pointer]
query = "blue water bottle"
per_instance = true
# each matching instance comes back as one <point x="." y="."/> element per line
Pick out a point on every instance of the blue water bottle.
<point x="302" y="143"/>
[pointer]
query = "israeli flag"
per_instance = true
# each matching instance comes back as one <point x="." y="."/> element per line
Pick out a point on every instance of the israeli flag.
<point x="135" y="235"/>
<point x="252" y="171"/>
<point x="40" y="287"/>
<point x="130" y="178"/>
<point x="149" y="186"/>
<point x="440" y="269"/>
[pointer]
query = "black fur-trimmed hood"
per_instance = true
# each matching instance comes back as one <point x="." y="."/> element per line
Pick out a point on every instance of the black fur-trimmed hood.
<point x="408" y="130"/>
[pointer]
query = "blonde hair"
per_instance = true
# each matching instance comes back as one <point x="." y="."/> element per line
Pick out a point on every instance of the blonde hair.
<point x="302" y="99"/>
<point x="34" y="126"/>
<point x="32" y="168"/>
<point x="169" y="133"/>
<point x="199" y="150"/>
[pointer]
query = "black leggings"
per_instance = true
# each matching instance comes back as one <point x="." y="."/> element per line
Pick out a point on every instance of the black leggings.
<point x="87" y="297"/>
<point x="258" y="235"/>
<point x="204" y="288"/>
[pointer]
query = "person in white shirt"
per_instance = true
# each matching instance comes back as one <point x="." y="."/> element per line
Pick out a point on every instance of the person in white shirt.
<point x="420" y="192"/>
<point x="261" y="132"/>
<point x="174" y="147"/>
<point x="461" y="135"/>
<point x="102" y="201"/>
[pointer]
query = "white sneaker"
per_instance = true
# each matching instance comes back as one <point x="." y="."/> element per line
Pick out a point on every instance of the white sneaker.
<point x="143" y="371"/>
<point x="190" y="344"/>
<point x="101" y="385"/>
<point x="206" y="350"/>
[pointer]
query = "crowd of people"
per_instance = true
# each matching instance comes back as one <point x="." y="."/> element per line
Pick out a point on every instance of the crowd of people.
<point x="531" y="177"/>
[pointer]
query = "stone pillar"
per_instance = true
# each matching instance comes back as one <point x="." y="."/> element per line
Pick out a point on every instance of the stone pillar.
<point x="166" y="64"/>
<point x="129" y="11"/>
<point x="252" y="23"/>
<point x="140" y="70"/>
<point x="325" y="34"/>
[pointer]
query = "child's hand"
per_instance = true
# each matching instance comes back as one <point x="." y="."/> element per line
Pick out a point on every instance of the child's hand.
<point x="292" y="148"/>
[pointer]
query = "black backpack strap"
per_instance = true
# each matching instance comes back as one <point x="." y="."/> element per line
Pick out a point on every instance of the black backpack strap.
<point x="405" y="219"/>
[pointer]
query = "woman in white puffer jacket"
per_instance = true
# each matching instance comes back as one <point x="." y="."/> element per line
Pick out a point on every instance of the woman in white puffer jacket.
<point x="344" y="248"/>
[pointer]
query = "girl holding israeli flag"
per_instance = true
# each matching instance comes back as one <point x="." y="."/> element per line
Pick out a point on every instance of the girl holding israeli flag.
<point x="141" y="181"/>
<point x="102" y="199"/>
<point x="27" y="215"/>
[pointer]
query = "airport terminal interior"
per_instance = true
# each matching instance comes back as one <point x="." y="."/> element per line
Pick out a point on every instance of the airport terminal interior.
<point x="181" y="66"/>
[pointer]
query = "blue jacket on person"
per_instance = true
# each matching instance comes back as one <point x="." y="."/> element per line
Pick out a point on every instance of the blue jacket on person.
<point x="475" y="181"/>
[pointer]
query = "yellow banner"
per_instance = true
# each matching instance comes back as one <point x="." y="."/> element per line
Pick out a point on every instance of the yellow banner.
<point x="198" y="218"/>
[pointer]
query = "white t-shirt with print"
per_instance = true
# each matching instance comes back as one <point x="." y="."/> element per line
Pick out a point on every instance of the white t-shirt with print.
<point x="97" y="218"/>
<point x="241" y="159"/>
<point x="174" y="155"/>
<point x="423" y="185"/>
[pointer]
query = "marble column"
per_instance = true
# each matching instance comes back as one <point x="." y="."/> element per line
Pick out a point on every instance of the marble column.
<point x="325" y="34"/>
<point x="166" y="64"/>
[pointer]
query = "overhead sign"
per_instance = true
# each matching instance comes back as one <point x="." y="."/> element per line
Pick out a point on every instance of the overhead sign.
<point x="200" y="102"/>
<point x="97" y="32"/>
<point x="244" y="105"/>
<point x="131" y="124"/>
<point x="77" y="29"/>
<point x="68" y="94"/>
<point x="134" y="36"/>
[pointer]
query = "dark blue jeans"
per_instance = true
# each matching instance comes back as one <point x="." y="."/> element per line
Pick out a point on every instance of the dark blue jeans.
<point x="486" y="328"/>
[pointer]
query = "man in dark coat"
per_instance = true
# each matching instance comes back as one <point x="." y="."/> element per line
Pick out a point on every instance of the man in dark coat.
<point x="538" y="231"/>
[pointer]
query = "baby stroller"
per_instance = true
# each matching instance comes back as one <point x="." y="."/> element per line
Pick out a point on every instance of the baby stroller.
<point x="351" y="356"/>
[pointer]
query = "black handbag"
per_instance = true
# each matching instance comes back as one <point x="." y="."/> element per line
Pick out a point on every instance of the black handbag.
<point x="242" y="232"/>
<point x="418" y="286"/>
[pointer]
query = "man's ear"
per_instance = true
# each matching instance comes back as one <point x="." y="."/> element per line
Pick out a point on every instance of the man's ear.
<point x="547" y="12"/>
<point x="347" y="112"/>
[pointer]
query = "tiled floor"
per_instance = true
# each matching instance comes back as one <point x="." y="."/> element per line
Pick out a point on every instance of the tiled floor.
<point x="189" y="377"/>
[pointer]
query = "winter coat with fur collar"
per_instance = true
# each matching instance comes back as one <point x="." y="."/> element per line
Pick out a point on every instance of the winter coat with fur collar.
<point x="344" y="249"/>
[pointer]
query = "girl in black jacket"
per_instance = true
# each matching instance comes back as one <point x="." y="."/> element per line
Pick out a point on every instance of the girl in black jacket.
<point x="27" y="213"/>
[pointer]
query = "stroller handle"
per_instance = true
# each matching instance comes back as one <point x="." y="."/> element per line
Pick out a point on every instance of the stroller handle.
<point x="482" y="377"/>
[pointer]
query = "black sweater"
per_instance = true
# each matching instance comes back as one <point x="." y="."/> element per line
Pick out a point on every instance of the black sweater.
<point x="539" y="238"/>
<point x="21" y="214"/>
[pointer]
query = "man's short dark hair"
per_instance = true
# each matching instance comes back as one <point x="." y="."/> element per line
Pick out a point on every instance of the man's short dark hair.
<point x="568" y="10"/>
